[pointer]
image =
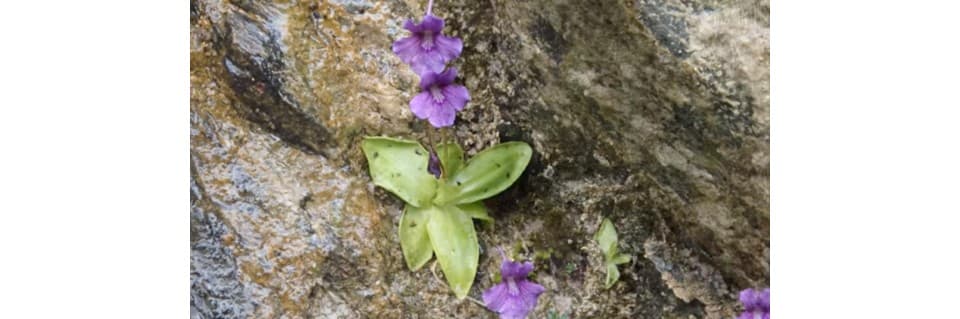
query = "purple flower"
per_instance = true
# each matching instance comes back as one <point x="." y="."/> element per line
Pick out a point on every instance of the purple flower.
<point x="756" y="304"/>
<point x="426" y="49"/>
<point x="514" y="296"/>
<point x="439" y="99"/>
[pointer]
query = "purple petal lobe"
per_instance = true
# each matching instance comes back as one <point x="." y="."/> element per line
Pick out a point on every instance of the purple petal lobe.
<point x="447" y="47"/>
<point x="425" y="62"/>
<point x="764" y="301"/>
<point x="428" y="79"/>
<point x="412" y="27"/>
<point x="746" y="296"/>
<point x="530" y="291"/>
<point x="496" y="296"/>
<point x="456" y="95"/>
<point x="407" y="49"/>
<point x="422" y="105"/>
<point x="443" y="115"/>
<point x="515" y="270"/>
<point x="431" y="23"/>
<point x="446" y="77"/>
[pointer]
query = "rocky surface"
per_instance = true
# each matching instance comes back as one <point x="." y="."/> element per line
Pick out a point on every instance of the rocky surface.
<point x="653" y="113"/>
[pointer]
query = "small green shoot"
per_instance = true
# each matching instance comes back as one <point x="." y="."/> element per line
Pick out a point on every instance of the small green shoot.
<point x="606" y="238"/>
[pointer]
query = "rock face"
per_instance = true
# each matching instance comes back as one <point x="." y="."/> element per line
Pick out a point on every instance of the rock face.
<point x="653" y="113"/>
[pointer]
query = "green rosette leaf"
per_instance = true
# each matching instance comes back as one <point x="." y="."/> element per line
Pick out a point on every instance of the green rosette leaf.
<point x="414" y="239"/>
<point x="455" y="243"/>
<point x="486" y="174"/>
<point x="451" y="158"/>
<point x="477" y="211"/>
<point x="400" y="167"/>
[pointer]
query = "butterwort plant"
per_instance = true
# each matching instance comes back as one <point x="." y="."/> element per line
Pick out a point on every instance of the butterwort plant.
<point x="442" y="191"/>
<point x="438" y="216"/>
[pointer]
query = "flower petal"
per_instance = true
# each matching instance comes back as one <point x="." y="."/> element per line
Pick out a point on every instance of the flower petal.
<point x="515" y="270"/>
<point x="407" y="48"/>
<point x="431" y="23"/>
<point x="446" y="77"/>
<point x="529" y="291"/>
<point x="496" y="297"/>
<point x="426" y="61"/>
<point x="755" y="300"/>
<point x="456" y="95"/>
<point x="519" y="305"/>
<point x="412" y="27"/>
<point x="448" y="48"/>
<point x="443" y="115"/>
<point x="764" y="300"/>
<point x="428" y="79"/>
<point x="748" y="298"/>
<point x="422" y="105"/>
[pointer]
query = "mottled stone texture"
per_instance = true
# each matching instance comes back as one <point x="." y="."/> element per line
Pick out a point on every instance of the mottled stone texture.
<point x="653" y="113"/>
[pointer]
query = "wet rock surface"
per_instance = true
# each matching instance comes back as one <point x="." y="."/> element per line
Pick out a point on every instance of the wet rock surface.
<point x="653" y="113"/>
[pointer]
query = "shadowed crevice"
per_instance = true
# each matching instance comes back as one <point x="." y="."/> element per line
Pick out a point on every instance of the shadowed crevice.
<point x="254" y="61"/>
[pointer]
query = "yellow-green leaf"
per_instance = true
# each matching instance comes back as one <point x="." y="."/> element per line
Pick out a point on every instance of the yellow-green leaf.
<point x="414" y="240"/>
<point x="606" y="238"/>
<point x="451" y="158"/>
<point x="400" y="166"/>
<point x="620" y="259"/>
<point x="455" y="243"/>
<point x="486" y="174"/>
<point x="476" y="211"/>
<point x="612" y="276"/>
